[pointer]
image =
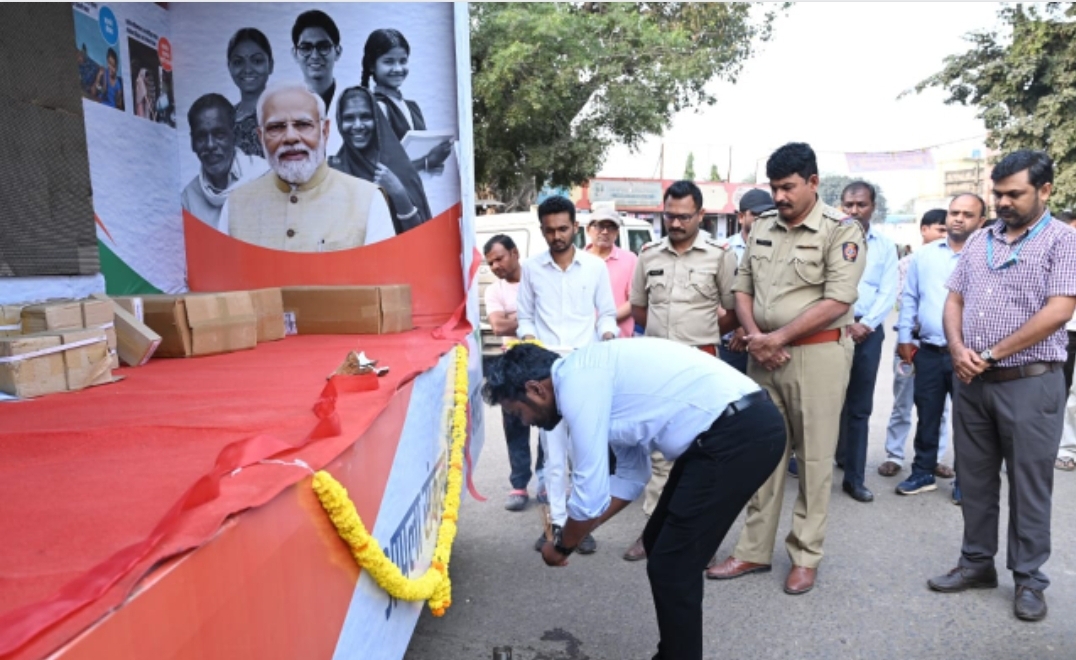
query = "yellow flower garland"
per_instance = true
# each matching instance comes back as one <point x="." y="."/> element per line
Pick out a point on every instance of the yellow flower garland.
<point x="433" y="586"/>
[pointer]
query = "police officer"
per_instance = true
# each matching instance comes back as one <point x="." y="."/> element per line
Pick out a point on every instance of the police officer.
<point x="794" y="294"/>
<point x="680" y="284"/>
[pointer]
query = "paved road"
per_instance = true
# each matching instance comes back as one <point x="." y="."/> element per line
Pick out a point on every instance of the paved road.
<point x="871" y="600"/>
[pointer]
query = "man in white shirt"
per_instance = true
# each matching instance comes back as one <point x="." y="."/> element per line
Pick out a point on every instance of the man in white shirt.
<point x="634" y="397"/>
<point x="502" y="256"/>
<point x="566" y="302"/>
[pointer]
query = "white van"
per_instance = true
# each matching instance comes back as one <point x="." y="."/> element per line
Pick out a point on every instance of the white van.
<point x="525" y="231"/>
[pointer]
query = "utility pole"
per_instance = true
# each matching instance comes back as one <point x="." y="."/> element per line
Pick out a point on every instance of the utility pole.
<point x="661" y="169"/>
<point x="728" y="172"/>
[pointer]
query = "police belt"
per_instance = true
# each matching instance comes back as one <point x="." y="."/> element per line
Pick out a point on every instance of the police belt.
<point x="822" y="337"/>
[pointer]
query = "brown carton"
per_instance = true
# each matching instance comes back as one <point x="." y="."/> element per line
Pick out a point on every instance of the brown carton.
<point x="87" y="361"/>
<point x="96" y="313"/>
<point x="64" y="315"/>
<point x="31" y="376"/>
<point x="10" y="320"/>
<point x="202" y="324"/>
<point x="133" y="305"/>
<point x="395" y="308"/>
<point x="136" y="342"/>
<point x="333" y="310"/>
<point x="269" y="309"/>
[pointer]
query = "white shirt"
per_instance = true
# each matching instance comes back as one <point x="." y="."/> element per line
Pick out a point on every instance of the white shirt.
<point x="559" y="307"/>
<point x="738" y="245"/>
<point x="635" y="396"/>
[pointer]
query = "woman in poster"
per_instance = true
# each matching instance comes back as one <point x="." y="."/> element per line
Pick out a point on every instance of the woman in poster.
<point x="372" y="152"/>
<point x="385" y="60"/>
<point x="109" y="85"/>
<point x="250" y="63"/>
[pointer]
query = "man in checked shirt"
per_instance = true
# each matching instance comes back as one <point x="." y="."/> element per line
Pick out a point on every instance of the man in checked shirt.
<point x="1010" y="296"/>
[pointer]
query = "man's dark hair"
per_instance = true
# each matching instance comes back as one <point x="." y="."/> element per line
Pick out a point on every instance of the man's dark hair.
<point x="982" y="203"/>
<point x="502" y="239"/>
<point x="508" y="375"/>
<point x="207" y="101"/>
<point x="681" y="189"/>
<point x="1040" y="169"/>
<point x="934" y="217"/>
<point x="793" y="158"/>
<point x="315" y="18"/>
<point x="858" y="185"/>
<point x="556" y="204"/>
<point x="254" y="36"/>
<point x="111" y="53"/>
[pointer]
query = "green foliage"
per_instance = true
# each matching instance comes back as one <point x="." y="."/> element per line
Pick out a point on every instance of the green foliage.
<point x="1024" y="87"/>
<point x="689" y="167"/>
<point x="714" y="174"/>
<point x="557" y="84"/>
<point x="830" y="187"/>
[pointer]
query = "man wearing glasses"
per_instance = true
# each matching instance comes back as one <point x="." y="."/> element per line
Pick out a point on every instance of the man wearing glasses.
<point x="1010" y="296"/>
<point x="679" y="285"/>
<point x="315" y="41"/>
<point x="303" y="205"/>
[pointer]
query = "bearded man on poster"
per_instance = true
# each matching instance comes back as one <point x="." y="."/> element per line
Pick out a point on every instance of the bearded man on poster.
<point x="302" y="205"/>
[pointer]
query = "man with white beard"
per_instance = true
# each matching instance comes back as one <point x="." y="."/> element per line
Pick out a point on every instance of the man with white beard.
<point x="301" y="205"/>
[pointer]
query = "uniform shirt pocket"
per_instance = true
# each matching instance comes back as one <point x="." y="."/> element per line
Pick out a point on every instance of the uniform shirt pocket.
<point x="761" y="262"/>
<point x="703" y="285"/>
<point x="808" y="265"/>
<point x="657" y="289"/>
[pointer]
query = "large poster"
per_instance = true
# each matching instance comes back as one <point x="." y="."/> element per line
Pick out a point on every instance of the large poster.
<point x="353" y="97"/>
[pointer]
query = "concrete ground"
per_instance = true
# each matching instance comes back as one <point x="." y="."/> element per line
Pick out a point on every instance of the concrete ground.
<point x="871" y="599"/>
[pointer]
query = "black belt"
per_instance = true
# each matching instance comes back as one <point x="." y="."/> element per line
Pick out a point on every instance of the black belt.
<point x="944" y="350"/>
<point x="996" y="375"/>
<point x="744" y="403"/>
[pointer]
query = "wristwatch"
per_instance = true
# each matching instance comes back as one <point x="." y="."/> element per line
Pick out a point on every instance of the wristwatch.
<point x="988" y="357"/>
<point x="558" y="543"/>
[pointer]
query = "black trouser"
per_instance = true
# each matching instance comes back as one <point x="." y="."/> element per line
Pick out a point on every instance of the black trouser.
<point x="933" y="382"/>
<point x="1070" y="361"/>
<point x="709" y="485"/>
<point x="858" y="405"/>
<point x="518" y="437"/>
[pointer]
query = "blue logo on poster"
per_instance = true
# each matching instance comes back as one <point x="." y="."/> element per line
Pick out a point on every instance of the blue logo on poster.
<point x="109" y="29"/>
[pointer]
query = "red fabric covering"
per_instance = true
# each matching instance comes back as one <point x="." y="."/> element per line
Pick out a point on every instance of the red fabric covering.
<point x="98" y="486"/>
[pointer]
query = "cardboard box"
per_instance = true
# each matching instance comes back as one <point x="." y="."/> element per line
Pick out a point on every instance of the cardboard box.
<point x="10" y="320"/>
<point x="31" y="376"/>
<point x="63" y="315"/>
<point x="133" y="305"/>
<point x="269" y="310"/>
<point x="87" y="361"/>
<point x="96" y="313"/>
<point x="136" y="342"/>
<point x="202" y="324"/>
<point x="333" y="310"/>
<point x="395" y="308"/>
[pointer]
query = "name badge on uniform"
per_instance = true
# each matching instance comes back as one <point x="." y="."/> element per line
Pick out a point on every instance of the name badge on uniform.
<point x="759" y="241"/>
<point x="850" y="251"/>
<point x="660" y="271"/>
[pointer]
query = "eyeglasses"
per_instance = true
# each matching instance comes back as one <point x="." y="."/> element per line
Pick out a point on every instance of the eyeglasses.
<point x="306" y="49"/>
<point x="609" y="228"/>
<point x="678" y="217"/>
<point x="277" y="129"/>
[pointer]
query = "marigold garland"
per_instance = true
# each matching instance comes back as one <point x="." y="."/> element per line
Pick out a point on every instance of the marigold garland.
<point x="512" y="343"/>
<point x="433" y="586"/>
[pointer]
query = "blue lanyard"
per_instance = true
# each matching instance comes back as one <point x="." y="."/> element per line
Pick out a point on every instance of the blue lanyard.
<point x="1013" y="257"/>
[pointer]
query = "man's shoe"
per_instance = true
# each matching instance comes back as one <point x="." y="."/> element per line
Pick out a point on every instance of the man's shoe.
<point x="962" y="579"/>
<point x="517" y="500"/>
<point x="542" y="539"/>
<point x="858" y="493"/>
<point x="889" y="469"/>
<point x="917" y="483"/>
<point x="943" y="471"/>
<point x="958" y="497"/>
<point x="587" y="546"/>
<point x="800" y="580"/>
<point x="734" y="568"/>
<point x="636" y="551"/>
<point x="793" y="468"/>
<point x="1030" y="604"/>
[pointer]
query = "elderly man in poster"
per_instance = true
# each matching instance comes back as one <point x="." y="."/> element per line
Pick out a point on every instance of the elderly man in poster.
<point x="303" y="205"/>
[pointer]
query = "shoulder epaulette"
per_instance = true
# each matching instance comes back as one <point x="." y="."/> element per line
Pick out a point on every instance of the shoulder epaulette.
<point x="717" y="243"/>
<point x="835" y="214"/>
<point x="651" y="244"/>
<point x="772" y="213"/>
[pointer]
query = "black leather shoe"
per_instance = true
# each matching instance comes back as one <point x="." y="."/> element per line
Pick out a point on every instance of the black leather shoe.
<point x="962" y="579"/>
<point x="587" y="546"/>
<point x="1030" y="604"/>
<point x="858" y="493"/>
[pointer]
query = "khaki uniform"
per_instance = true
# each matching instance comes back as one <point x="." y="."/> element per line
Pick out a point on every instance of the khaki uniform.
<point x="681" y="293"/>
<point x="787" y="270"/>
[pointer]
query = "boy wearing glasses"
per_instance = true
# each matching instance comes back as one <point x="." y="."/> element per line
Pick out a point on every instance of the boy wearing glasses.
<point x="315" y="41"/>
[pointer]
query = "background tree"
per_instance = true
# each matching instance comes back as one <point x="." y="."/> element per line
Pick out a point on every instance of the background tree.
<point x="830" y="187"/>
<point x="689" y="167"/>
<point x="556" y="84"/>
<point x="1024" y="86"/>
<point x="714" y="175"/>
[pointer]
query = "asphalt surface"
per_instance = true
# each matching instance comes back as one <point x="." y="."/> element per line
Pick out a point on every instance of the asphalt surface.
<point x="870" y="601"/>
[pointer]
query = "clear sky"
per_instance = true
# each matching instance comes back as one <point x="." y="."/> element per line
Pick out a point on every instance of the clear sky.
<point x="829" y="76"/>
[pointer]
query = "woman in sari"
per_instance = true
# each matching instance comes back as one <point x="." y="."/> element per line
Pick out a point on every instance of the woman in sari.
<point x="372" y="152"/>
<point x="250" y="63"/>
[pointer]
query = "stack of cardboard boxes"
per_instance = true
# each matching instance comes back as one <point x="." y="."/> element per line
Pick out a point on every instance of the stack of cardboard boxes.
<point x="69" y="345"/>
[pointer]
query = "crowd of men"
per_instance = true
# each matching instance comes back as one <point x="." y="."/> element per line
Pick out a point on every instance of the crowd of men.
<point x="788" y="318"/>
